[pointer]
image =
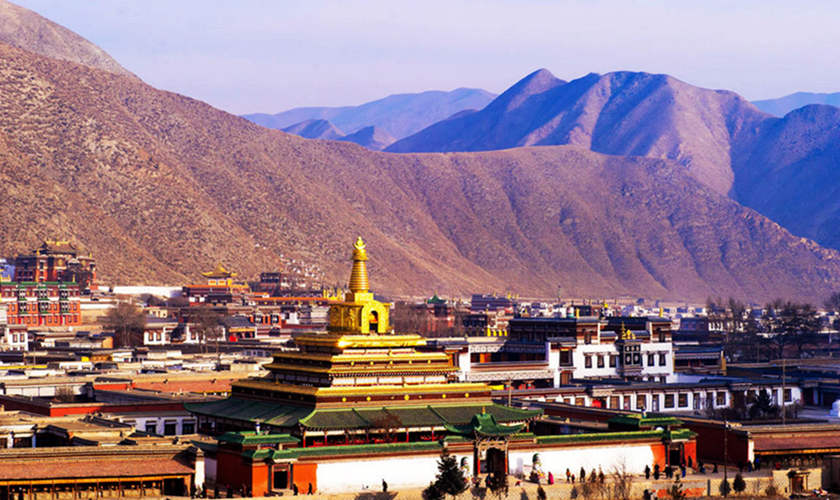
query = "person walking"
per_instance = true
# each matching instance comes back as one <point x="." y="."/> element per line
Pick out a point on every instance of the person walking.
<point x="384" y="486"/>
<point x="568" y="474"/>
<point x="647" y="471"/>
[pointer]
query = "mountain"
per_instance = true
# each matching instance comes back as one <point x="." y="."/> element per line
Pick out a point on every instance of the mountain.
<point x="397" y="115"/>
<point x="786" y="168"/>
<point x="784" y="105"/>
<point x="315" y="129"/>
<point x="789" y="170"/>
<point x="159" y="187"/>
<point x="622" y="113"/>
<point x="370" y="137"/>
<point x="25" y="29"/>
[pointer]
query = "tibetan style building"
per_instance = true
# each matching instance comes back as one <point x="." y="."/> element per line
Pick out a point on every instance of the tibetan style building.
<point x="358" y="404"/>
<point x="359" y="383"/>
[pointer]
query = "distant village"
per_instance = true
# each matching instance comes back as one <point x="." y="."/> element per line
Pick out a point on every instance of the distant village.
<point x="282" y="385"/>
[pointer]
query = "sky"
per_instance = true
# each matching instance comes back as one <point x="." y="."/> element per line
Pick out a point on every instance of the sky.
<point x="249" y="56"/>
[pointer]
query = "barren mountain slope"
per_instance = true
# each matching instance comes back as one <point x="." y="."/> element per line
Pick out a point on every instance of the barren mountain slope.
<point x="23" y="28"/>
<point x="315" y="129"/>
<point x="159" y="186"/>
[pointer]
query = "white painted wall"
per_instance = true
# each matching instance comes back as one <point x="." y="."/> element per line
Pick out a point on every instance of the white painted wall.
<point x="634" y="457"/>
<point x="359" y="475"/>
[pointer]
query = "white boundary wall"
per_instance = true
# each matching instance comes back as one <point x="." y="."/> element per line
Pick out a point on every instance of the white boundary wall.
<point x="359" y="475"/>
<point x="634" y="457"/>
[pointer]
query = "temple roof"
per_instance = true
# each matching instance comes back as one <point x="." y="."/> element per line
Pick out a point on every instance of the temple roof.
<point x="245" y="410"/>
<point x="484" y="424"/>
<point x="219" y="272"/>
<point x="283" y="415"/>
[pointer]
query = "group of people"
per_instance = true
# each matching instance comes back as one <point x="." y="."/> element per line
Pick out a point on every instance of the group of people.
<point x="594" y="477"/>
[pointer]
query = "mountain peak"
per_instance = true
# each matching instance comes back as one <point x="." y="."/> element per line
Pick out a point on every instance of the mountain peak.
<point x="25" y="29"/>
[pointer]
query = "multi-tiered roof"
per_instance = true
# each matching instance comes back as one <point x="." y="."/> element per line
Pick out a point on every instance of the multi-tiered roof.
<point x="359" y="376"/>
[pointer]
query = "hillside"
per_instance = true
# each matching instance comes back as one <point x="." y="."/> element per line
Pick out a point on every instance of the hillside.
<point x="315" y="129"/>
<point x="370" y="137"/>
<point x="621" y="113"/>
<point x="784" y="105"/>
<point x="397" y="115"/>
<point x="786" y="168"/>
<point x="25" y="29"/>
<point x="159" y="187"/>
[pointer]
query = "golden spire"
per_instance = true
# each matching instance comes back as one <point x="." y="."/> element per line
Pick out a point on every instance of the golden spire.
<point x="359" y="276"/>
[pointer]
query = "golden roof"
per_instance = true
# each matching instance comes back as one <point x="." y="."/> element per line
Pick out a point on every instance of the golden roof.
<point x="219" y="272"/>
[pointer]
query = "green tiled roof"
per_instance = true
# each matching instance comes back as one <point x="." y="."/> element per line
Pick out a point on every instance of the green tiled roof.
<point x="639" y="421"/>
<point x="250" y="437"/>
<point x="411" y="416"/>
<point x="359" y="449"/>
<point x="484" y="424"/>
<point x="599" y="436"/>
<point x="246" y="410"/>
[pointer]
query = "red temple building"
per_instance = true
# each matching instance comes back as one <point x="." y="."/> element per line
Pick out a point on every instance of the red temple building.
<point x="56" y="261"/>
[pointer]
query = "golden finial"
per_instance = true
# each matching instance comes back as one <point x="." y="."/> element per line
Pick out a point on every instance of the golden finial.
<point x="359" y="277"/>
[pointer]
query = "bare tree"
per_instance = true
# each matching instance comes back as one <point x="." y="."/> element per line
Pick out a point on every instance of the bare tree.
<point x="622" y="482"/>
<point x="205" y="323"/>
<point x="127" y="321"/>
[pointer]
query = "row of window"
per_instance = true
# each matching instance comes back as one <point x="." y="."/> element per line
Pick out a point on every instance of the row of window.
<point x="651" y="360"/>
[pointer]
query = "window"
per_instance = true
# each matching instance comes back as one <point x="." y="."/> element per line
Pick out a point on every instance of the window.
<point x="710" y="399"/>
<point x="651" y="361"/>
<point x="696" y="401"/>
<point x="720" y="398"/>
<point x="151" y="427"/>
<point x="587" y="361"/>
<point x="682" y="400"/>
<point x="613" y="361"/>
<point x="641" y="401"/>
<point x="669" y="401"/>
<point x="663" y="379"/>
<point x="587" y="338"/>
<point x="600" y="361"/>
<point x="788" y="396"/>
<point x="628" y="359"/>
<point x="170" y="428"/>
<point x="188" y="427"/>
<point x="662" y="359"/>
<point x="565" y="358"/>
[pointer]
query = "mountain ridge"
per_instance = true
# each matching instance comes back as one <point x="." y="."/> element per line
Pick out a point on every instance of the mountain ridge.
<point x="27" y="30"/>
<point x="397" y="115"/>
<point x="160" y="186"/>
<point x="781" y="106"/>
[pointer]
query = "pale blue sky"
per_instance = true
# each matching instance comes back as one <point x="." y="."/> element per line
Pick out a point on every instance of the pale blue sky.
<point x="266" y="56"/>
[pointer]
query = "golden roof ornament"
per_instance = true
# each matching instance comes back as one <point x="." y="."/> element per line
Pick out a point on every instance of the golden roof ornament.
<point x="359" y="282"/>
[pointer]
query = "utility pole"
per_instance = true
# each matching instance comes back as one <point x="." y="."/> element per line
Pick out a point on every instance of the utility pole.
<point x="510" y="390"/>
<point x="725" y="455"/>
<point x="784" y="409"/>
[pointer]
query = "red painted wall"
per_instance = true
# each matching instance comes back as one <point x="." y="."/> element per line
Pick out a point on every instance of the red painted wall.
<point x="303" y="475"/>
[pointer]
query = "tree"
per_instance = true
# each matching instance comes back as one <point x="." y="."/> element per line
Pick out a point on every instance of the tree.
<point x="738" y="484"/>
<point x="762" y="406"/>
<point x="676" y="491"/>
<point x="127" y="322"/>
<point x="450" y="478"/>
<point x="205" y="324"/>
<point x="432" y="492"/>
<point x="622" y="482"/>
<point x="724" y="488"/>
